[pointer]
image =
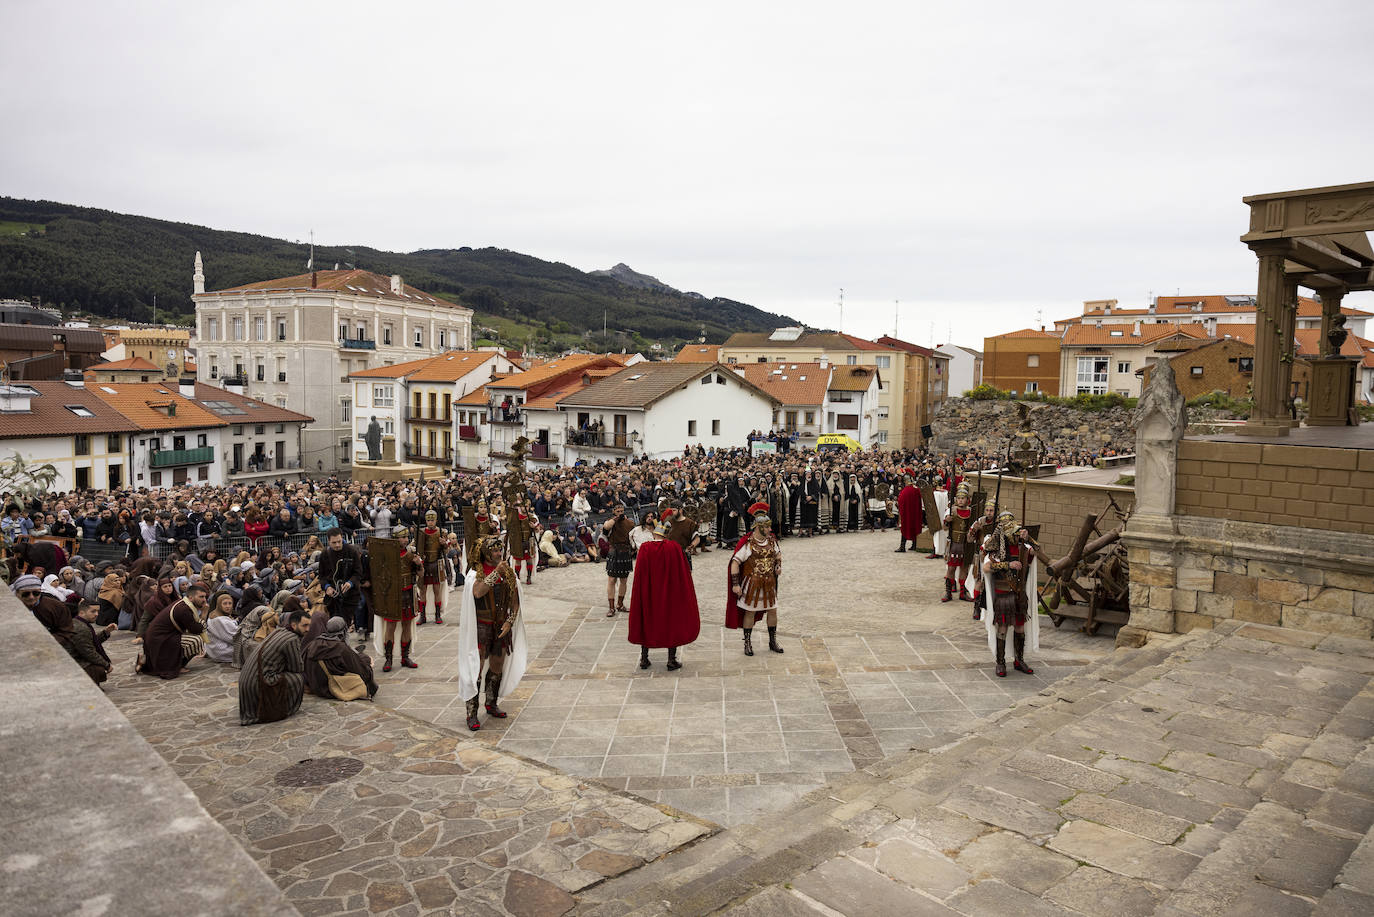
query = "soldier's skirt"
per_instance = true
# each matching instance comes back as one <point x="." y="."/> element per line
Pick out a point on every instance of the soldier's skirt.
<point x="1009" y="609"/>
<point x="620" y="561"/>
<point x="488" y="642"/>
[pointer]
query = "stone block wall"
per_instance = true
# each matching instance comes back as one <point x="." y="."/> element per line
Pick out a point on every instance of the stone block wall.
<point x="1198" y="570"/>
<point x="1300" y="486"/>
<point x="1057" y="507"/>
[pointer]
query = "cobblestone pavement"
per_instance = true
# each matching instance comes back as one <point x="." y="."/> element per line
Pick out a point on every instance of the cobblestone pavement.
<point x="874" y="665"/>
<point x="1221" y="773"/>
<point x="638" y="764"/>
<point x="423" y="820"/>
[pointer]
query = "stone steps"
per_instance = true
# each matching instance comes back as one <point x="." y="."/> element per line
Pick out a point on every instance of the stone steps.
<point x="1214" y="773"/>
<point x="720" y="871"/>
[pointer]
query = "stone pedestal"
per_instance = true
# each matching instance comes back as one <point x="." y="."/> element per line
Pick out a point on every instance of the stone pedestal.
<point x="389" y="450"/>
<point x="1331" y="394"/>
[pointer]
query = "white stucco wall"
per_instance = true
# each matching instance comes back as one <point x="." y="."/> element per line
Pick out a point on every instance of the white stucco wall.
<point x="738" y="409"/>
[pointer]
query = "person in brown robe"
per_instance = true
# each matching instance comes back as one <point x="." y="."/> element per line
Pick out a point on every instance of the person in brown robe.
<point x="332" y="650"/>
<point x="163" y="654"/>
<point x="163" y="595"/>
<point x="272" y="683"/>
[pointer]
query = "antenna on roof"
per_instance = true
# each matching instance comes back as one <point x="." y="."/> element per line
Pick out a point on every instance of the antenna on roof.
<point x="841" y="310"/>
<point x="895" y="304"/>
<point x="310" y="265"/>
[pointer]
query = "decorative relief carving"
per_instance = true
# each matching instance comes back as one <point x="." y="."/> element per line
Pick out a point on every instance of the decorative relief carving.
<point x="1339" y="211"/>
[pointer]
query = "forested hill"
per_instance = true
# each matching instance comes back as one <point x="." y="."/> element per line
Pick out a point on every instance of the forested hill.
<point x="112" y="264"/>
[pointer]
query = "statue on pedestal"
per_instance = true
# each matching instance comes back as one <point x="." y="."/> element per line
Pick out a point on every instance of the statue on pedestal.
<point x="373" y="439"/>
<point x="1160" y="418"/>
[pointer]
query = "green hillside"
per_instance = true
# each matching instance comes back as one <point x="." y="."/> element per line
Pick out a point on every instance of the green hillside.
<point x="113" y="264"/>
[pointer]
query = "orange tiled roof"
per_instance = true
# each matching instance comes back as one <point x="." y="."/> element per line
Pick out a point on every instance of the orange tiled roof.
<point x="133" y="364"/>
<point x="49" y="413"/>
<point x="444" y="367"/>
<point x="1240" y="331"/>
<point x="698" y="353"/>
<point x="852" y="378"/>
<point x="478" y="397"/>
<point x="551" y="369"/>
<point x="1025" y="333"/>
<point x="362" y="283"/>
<point x="790" y="383"/>
<point x="1089" y="336"/>
<point x="1309" y="344"/>
<point x="139" y="401"/>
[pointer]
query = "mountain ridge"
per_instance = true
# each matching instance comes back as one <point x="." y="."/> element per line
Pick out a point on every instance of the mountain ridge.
<point x="113" y="265"/>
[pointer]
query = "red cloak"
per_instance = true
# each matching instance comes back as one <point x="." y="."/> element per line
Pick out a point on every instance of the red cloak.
<point x="663" y="602"/>
<point x="910" y="511"/>
<point x="732" y="614"/>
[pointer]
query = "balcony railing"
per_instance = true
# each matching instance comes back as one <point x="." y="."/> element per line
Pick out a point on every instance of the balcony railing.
<point x="598" y="439"/>
<point x="351" y="344"/>
<point x="166" y="458"/>
<point x="512" y="416"/>
<point x="411" y="413"/>
<point x="469" y="434"/>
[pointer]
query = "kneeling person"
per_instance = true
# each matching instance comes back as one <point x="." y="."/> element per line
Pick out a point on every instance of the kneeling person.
<point x="272" y="683"/>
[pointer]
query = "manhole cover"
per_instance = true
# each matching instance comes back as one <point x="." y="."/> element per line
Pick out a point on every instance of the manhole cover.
<point x="319" y="771"/>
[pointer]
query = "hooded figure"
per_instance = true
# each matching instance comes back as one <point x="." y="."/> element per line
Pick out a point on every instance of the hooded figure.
<point x="330" y="652"/>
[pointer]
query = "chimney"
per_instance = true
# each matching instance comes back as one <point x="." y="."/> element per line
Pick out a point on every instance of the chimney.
<point x="314" y="279"/>
<point x="74" y="377"/>
<point x="1135" y="330"/>
<point x="187" y="386"/>
<point x="396" y="285"/>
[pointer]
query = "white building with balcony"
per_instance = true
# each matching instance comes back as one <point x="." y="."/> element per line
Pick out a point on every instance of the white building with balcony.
<point x="295" y="342"/>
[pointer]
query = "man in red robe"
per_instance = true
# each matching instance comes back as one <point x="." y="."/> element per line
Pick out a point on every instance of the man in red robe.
<point x="663" y="601"/>
<point x="909" y="511"/>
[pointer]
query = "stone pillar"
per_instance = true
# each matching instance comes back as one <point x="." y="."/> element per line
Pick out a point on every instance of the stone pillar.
<point x="1270" y="414"/>
<point x="1160" y="422"/>
<point x="1331" y="307"/>
<point x="1289" y="350"/>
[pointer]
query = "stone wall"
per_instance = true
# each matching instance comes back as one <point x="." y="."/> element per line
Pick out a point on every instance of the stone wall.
<point x="967" y="424"/>
<point x="94" y="821"/>
<point x="1299" y="486"/>
<point x="1192" y="571"/>
<point x="1059" y="507"/>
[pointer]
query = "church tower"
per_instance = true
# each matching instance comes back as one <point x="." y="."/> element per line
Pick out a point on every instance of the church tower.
<point x="198" y="278"/>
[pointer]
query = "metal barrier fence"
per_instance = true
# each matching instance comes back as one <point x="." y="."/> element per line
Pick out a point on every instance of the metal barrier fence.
<point x="99" y="552"/>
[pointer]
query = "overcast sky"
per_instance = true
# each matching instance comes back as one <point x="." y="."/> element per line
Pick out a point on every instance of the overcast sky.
<point x="982" y="164"/>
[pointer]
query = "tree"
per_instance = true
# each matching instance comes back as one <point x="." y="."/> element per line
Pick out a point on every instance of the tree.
<point x="23" y="479"/>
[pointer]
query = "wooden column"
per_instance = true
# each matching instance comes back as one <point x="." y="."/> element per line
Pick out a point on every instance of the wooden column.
<point x="1331" y="307"/>
<point x="1270" y="414"/>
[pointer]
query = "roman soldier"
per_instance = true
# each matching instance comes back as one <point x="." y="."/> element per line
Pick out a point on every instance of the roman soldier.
<point x="429" y="546"/>
<point x="977" y="534"/>
<point x="1010" y="556"/>
<point x="410" y="563"/>
<point x="520" y="539"/>
<point x="620" y="560"/>
<point x="753" y="581"/>
<point x="491" y="629"/>
<point x="958" y="551"/>
<point x="663" y="605"/>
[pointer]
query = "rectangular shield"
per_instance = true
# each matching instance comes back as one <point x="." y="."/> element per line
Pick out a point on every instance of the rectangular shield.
<point x="387" y="574"/>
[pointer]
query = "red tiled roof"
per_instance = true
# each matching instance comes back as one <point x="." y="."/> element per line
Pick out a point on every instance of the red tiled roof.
<point x="254" y="411"/>
<point x="899" y="344"/>
<point x="362" y="283"/>
<point x="1309" y="344"/>
<point x="864" y="344"/>
<point x="551" y="369"/>
<point x="133" y="364"/>
<point x="48" y="414"/>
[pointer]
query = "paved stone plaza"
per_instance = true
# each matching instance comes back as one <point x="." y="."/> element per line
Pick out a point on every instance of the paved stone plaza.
<point x="876" y="767"/>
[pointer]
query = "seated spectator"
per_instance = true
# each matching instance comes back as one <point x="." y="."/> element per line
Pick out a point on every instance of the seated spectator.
<point x="221" y="627"/>
<point x="548" y="550"/>
<point x="174" y="637"/>
<point x="330" y="653"/>
<point x="272" y="684"/>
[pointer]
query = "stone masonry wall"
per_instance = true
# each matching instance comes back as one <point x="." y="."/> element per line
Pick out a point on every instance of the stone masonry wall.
<point x="964" y="423"/>
<point x="1300" y="486"/>
<point x="1210" y="569"/>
